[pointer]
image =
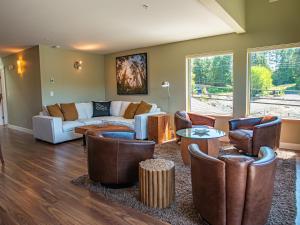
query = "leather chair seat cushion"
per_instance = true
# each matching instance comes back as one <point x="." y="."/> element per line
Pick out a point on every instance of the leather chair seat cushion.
<point x="130" y="135"/>
<point x="245" y="127"/>
<point x="242" y="139"/>
<point x="241" y="134"/>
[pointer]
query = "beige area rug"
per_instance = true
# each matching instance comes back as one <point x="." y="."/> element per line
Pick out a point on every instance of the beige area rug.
<point x="182" y="210"/>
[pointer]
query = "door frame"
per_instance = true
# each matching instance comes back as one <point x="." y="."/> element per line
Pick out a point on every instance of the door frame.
<point x="4" y="99"/>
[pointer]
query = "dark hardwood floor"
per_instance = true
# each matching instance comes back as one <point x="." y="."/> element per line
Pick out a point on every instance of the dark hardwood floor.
<point x="35" y="186"/>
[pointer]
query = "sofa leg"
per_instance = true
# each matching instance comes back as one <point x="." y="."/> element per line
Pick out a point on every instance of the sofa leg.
<point x="83" y="140"/>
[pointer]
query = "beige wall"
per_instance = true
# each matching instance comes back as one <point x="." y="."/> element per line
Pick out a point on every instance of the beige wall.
<point x="27" y="94"/>
<point x="236" y="9"/>
<point x="71" y="85"/>
<point x="267" y="25"/>
<point x="23" y="93"/>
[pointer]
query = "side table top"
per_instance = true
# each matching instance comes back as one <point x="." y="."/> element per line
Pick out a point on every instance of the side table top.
<point x="157" y="164"/>
<point x="200" y="133"/>
<point x="160" y="115"/>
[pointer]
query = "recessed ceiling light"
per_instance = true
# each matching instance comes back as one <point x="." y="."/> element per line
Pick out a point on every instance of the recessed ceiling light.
<point x="271" y="1"/>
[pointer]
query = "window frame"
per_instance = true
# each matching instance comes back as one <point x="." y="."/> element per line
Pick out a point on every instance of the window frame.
<point x="263" y="49"/>
<point x="189" y="83"/>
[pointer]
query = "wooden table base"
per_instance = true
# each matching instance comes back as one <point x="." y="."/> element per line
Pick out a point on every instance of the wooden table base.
<point x="209" y="146"/>
<point x="157" y="187"/>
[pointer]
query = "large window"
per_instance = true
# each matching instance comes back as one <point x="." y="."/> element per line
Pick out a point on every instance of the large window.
<point x="275" y="82"/>
<point x="210" y="84"/>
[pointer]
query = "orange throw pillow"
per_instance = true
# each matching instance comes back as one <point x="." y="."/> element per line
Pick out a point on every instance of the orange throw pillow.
<point x="55" y="111"/>
<point x="144" y="107"/>
<point x="267" y="119"/>
<point x="69" y="110"/>
<point x="130" y="111"/>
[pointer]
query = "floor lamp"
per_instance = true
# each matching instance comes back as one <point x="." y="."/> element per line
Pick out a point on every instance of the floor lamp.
<point x="166" y="84"/>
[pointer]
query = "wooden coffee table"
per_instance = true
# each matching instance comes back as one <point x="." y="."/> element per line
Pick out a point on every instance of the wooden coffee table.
<point x="104" y="127"/>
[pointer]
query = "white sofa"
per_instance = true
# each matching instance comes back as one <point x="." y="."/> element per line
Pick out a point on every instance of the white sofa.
<point x="54" y="130"/>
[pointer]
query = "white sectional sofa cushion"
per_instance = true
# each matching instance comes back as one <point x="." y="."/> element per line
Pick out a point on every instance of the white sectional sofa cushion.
<point x="118" y="120"/>
<point x="115" y="108"/>
<point x="54" y="130"/>
<point x="124" y="107"/>
<point x="91" y="121"/>
<point x="85" y="110"/>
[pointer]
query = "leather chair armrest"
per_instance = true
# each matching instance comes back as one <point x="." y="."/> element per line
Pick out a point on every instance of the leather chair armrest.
<point x="261" y="176"/>
<point x="243" y="122"/>
<point x="266" y="155"/>
<point x="202" y="120"/>
<point x="269" y="124"/>
<point x="267" y="134"/>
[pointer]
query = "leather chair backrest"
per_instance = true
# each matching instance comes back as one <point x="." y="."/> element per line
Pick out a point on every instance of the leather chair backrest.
<point x="183" y="114"/>
<point x="260" y="185"/>
<point x="233" y="189"/>
<point x="236" y="171"/>
<point x="208" y="185"/>
<point x="115" y="160"/>
<point x="182" y="120"/>
<point x="268" y="136"/>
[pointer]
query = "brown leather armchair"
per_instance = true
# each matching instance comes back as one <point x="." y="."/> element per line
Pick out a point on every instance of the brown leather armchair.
<point x="233" y="189"/>
<point x="249" y="134"/>
<point x="113" y="157"/>
<point x="185" y="120"/>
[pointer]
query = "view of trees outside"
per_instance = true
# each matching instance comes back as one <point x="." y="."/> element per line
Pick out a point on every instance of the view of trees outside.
<point x="212" y="84"/>
<point x="275" y="82"/>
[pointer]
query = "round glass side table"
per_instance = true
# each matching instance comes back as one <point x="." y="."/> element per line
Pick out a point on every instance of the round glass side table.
<point x="206" y="138"/>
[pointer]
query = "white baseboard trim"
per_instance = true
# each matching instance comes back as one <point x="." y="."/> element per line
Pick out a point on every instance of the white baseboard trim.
<point x="290" y="146"/>
<point x="23" y="129"/>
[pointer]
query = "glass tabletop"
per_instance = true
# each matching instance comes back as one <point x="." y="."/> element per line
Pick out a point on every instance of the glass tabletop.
<point x="200" y="133"/>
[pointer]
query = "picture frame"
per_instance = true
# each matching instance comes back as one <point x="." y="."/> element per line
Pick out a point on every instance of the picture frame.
<point x="132" y="74"/>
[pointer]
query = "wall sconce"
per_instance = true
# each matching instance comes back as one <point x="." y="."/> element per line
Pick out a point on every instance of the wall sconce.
<point x="78" y="65"/>
<point x="20" y="66"/>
